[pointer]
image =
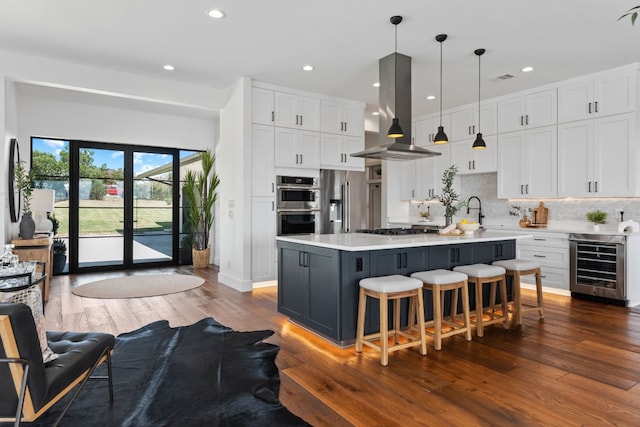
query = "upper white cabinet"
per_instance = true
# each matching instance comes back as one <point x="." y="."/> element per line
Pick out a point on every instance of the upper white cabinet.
<point x="297" y="148"/>
<point x="606" y="93"/>
<point x="262" y="160"/>
<point x="528" y="111"/>
<point x="527" y="163"/>
<point x="471" y="161"/>
<point x="296" y="111"/>
<point x="262" y="106"/>
<point x="335" y="152"/>
<point x="426" y="129"/>
<point x="342" y="118"/>
<point x="464" y="122"/>
<point x="429" y="171"/>
<point x="598" y="158"/>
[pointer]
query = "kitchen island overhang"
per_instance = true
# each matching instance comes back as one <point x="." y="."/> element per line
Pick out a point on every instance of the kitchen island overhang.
<point x="319" y="275"/>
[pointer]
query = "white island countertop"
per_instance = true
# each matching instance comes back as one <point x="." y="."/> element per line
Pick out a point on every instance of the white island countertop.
<point x="368" y="242"/>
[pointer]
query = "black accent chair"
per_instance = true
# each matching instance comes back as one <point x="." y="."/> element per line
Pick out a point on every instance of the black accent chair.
<point x="27" y="385"/>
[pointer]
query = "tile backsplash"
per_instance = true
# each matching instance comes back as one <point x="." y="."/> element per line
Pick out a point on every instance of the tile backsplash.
<point x="484" y="186"/>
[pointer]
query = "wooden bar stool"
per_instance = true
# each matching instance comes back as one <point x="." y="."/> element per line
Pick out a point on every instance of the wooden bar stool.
<point x="517" y="268"/>
<point x="393" y="288"/>
<point x="480" y="275"/>
<point x="438" y="282"/>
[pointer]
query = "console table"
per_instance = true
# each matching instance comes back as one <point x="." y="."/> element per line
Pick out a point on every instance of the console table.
<point x="40" y="248"/>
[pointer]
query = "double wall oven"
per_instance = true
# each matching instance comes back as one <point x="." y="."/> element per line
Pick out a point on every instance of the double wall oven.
<point x="298" y="205"/>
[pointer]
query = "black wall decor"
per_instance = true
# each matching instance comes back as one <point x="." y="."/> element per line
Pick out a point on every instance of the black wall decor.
<point x="14" y="191"/>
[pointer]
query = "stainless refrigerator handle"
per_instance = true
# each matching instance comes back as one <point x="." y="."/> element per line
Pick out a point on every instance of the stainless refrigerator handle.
<point x="346" y="219"/>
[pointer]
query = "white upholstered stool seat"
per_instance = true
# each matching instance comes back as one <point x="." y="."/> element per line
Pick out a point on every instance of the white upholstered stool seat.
<point x="516" y="268"/>
<point x="480" y="275"/>
<point x="394" y="288"/>
<point x="439" y="282"/>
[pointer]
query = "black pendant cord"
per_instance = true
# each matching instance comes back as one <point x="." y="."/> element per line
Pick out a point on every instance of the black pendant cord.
<point x="479" y="58"/>
<point x="441" y="83"/>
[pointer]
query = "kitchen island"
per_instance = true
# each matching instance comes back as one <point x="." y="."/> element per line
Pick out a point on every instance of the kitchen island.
<point x="319" y="274"/>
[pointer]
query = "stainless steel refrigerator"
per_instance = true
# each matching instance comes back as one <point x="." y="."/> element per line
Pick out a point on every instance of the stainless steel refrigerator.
<point x="343" y="201"/>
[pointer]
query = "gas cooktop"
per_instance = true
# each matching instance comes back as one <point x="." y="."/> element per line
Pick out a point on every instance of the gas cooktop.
<point x="399" y="231"/>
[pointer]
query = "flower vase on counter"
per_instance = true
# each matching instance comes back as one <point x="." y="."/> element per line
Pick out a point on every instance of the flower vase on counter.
<point x="27" y="226"/>
<point x="525" y="221"/>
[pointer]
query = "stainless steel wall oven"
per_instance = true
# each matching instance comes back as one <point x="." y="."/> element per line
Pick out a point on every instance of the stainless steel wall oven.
<point x="597" y="263"/>
<point x="298" y="205"/>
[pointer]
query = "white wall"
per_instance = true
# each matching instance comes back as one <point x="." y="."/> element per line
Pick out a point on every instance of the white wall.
<point x="8" y="122"/>
<point x="235" y="181"/>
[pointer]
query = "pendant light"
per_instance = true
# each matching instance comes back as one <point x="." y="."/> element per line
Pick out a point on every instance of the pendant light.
<point x="479" y="143"/>
<point x="395" y="131"/>
<point x="441" y="137"/>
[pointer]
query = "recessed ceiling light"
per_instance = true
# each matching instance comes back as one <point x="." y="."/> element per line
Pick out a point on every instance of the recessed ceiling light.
<point x="376" y="84"/>
<point x="216" y="13"/>
<point x="169" y="67"/>
<point x="527" y="69"/>
<point x="431" y="97"/>
<point x="376" y="113"/>
<point x="308" y="68"/>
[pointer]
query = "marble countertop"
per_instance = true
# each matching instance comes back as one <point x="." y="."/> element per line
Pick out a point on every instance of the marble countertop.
<point x="366" y="242"/>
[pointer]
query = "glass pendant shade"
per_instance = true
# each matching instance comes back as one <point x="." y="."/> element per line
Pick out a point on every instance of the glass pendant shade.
<point x="395" y="131"/>
<point x="479" y="143"/>
<point x="441" y="137"/>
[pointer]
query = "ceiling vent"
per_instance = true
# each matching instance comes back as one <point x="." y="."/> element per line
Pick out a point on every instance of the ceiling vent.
<point x="505" y="77"/>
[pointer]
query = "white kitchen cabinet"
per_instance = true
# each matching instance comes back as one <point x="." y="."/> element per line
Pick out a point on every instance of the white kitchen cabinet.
<point x="598" y="158"/>
<point x="297" y="148"/>
<point x="335" y="152"/>
<point x="409" y="187"/>
<point x="342" y="118"/>
<point x="470" y="160"/>
<point x="262" y="160"/>
<point x="528" y="111"/>
<point x="607" y="93"/>
<point x="426" y="129"/>
<point x="551" y="250"/>
<point x="262" y="106"/>
<point x="464" y="122"/>
<point x="263" y="239"/>
<point x="429" y="171"/>
<point x="527" y="163"/>
<point x="296" y="111"/>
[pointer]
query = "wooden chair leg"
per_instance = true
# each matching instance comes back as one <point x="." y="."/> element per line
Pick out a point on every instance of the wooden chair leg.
<point x="384" y="329"/>
<point x="362" y="306"/>
<point x="396" y="320"/>
<point x="539" y="292"/>
<point x="479" y="307"/>
<point x="437" y="317"/>
<point x="465" y="310"/>
<point x="422" y="332"/>
<point x="517" y="299"/>
<point x="503" y="300"/>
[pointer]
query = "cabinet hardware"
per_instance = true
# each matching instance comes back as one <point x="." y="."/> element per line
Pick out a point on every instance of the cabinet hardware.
<point x="296" y="159"/>
<point x="469" y="165"/>
<point x="589" y="108"/>
<point x="595" y="186"/>
<point x="404" y="260"/>
<point x="539" y="256"/>
<point x="543" y="276"/>
<point x="526" y="121"/>
<point x="540" y="240"/>
<point x="521" y="121"/>
<point x="526" y="189"/>
<point x="589" y="187"/>
<point x="359" y="265"/>
<point x="273" y="188"/>
<point x="474" y="130"/>
<point x="300" y="119"/>
<point x="399" y="261"/>
<point x="521" y="189"/>
<point x="273" y="116"/>
<point x="273" y="206"/>
<point x="341" y="126"/>
<point x="345" y="126"/>
<point x="596" y="105"/>
<point x="297" y="120"/>
<point x="301" y="159"/>
<point x="413" y="193"/>
<point x="470" y="130"/>
<point x="474" y="164"/>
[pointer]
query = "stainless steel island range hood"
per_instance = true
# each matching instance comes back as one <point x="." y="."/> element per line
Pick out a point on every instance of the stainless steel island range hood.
<point x="395" y="101"/>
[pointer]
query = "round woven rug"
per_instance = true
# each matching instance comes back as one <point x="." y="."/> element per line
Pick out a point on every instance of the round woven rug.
<point x="146" y="285"/>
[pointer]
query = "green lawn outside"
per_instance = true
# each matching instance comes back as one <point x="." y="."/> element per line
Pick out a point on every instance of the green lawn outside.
<point x="104" y="217"/>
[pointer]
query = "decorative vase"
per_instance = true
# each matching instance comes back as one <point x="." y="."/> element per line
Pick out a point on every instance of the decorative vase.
<point x="596" y="227"/>
<point x="27" y="226"/>
<point x="524" y="221"/>
<point x="201" y="257"/>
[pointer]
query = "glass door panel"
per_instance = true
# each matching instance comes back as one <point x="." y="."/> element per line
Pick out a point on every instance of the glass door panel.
<point x="152" y="207"/>
<point x="101" y="225"/>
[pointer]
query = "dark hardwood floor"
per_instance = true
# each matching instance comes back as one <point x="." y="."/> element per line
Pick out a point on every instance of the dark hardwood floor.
<point x="578" y="366"/>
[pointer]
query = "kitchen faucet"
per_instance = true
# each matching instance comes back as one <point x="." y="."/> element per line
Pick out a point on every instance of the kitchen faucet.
<point x="479" y="208"/>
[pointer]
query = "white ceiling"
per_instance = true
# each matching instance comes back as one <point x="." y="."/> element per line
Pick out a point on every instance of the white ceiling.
<point x="270" y="40"/>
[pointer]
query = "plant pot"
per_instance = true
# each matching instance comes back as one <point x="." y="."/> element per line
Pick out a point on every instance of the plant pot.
<point x="201" y="257"/>
<point x="59" y="261"/>
<point x="27" y="226"/>
<point x="184" y="256"/>
<point x="596" y="227"/>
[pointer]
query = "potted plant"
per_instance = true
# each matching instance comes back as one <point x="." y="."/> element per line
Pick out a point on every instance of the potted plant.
<point x="597" y="217"/>
<point x="23" y="181"/>
<point x="200" y="193"/>
<point x="59" y="256"/>
<point x="449" y="198"/>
